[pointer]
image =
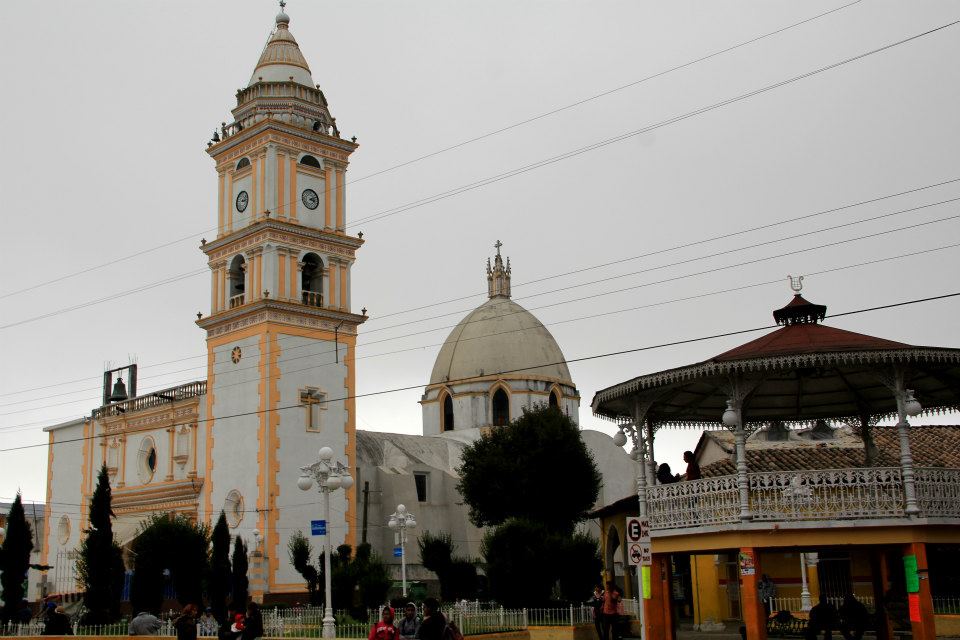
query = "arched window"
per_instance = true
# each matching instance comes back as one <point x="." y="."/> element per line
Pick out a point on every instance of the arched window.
<point x="310" y="161"/>
<point x="244" y="162"/>
<point x="311" y="280"/>
<point x="147" y="460"/>
<point x="501" y="407"/>
<point x="448" y="423"/>
<point x="237" y="275"/>
<point x="554" y="399"/>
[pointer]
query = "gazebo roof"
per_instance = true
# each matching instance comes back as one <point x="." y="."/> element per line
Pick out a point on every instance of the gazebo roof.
<point x="801" y="372"/>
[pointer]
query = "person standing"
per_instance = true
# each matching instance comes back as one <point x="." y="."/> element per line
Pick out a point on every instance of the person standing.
<point x="57" y="623"/>
<point x="186" y="623"/>
<point x="823" y="617"/>
<point x="434" y="622"/>
<point x="596" y="603"/>
<point x="409" y="624"/>
<point x="384" y="629"/>
<point x="693" y="469"/>
<point x="208" y="624"/>
<point x="252" y="623"/>
<point x="853" y="618"/>
<point x="145" y="624"/>
<point x="611" y="611"/>
<point x="767" y="592"/>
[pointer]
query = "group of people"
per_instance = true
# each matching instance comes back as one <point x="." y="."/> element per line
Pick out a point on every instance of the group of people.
<point x="850" y="619"/>
<point x="433" y="625"/>
<point x="607" y="610"/>
<point x="238" y="625"/>
<point x="665" y="476"/>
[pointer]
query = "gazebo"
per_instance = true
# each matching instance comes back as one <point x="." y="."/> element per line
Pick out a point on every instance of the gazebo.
<point x="802" y="374"/>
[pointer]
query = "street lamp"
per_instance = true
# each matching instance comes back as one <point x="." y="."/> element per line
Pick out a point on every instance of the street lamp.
<point x="402" y="518"/>
<point x="330" y="476"/>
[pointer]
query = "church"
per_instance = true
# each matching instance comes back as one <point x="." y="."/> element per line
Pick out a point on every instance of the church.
<point x="281" y="373"/>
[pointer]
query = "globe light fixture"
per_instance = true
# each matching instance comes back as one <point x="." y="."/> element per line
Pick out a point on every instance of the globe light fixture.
<point x="401" y="520"/>
<point x="910" y="405"/>
<point x="329" y="475"/>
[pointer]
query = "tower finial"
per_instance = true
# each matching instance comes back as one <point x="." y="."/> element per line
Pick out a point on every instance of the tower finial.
<point x="498" y="278"/>
<point x="282" y="18"/>
<point x="796" y="283"/>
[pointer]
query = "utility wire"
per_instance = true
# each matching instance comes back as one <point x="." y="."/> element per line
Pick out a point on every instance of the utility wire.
<point x="575" y="286"/>
<point x="548" y="277"/>
<point x="566" y="361"/>
<point x="26" y="426"/>
<point x="459" y="144"/>
<point x="548" y="305"/>
<point x="629" y="134"/>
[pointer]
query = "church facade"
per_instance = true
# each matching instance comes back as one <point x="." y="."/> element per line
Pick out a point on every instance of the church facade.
<point x="281" y="375"/>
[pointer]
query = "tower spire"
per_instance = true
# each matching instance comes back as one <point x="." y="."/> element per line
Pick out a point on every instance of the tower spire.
<point x="498" y="277"/>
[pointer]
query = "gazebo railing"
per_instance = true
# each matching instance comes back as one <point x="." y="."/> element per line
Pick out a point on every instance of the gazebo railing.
<point x="694" y="503"/>
<point x="786" y="496"/>
<point x="938" y="491"/>
<point x="828" y="494"/>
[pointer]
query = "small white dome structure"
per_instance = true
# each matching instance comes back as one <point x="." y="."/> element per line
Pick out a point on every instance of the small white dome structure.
<point x="497" y="361"/>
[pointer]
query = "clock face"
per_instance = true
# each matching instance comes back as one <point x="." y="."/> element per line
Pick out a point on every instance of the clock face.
<point x="242" y="201"/>
<point x="310" y="199"/>
<point x="236" y="354"/>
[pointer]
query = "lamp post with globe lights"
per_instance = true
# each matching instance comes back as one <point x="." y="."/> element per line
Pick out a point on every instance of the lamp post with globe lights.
<point x="402" y="519"/>
<point x="330" y="475"/>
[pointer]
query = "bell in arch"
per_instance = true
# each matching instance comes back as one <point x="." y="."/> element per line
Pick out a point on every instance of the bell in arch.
<point x="119" y="391"/>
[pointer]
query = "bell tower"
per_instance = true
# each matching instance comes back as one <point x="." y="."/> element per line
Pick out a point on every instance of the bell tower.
<point x="280" y="333"/>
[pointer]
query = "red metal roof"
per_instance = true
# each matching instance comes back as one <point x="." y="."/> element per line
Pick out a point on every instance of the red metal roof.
<point x="807" y="338"/>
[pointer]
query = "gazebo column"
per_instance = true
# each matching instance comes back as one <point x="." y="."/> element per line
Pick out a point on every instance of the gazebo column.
<point x="733" y="419"/>
<point x="651" y="463"/>
<point x="906" y="405"/>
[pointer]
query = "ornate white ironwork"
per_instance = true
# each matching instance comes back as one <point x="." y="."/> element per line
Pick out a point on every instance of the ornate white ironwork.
<point x="829" y="494"/>
<point x="938" y="492"/>
<point x="694" y="503"/>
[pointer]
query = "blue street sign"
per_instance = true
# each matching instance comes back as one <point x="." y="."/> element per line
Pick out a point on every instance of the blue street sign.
<point x="318" y="527"/>
<point x="397" y="552"/>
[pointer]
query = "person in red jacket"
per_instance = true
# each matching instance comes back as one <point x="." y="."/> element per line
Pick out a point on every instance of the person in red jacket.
<point x="384" y="628"/>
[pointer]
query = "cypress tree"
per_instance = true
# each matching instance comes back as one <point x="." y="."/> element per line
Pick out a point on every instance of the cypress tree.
<point x="17" y="545"/>
<point x="219" y="585"/>
<point x="100" y="564"/>
<point x="240" y="581"/>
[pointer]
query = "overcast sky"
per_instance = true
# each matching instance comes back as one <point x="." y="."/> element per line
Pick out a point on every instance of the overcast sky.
<point x="106" y="109"/>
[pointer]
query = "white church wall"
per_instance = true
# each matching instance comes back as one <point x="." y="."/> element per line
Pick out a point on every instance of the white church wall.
<point x="235" y="439"/>
<point x="618" y="468"/>
<point x="65" y="497"/>
<point x="308" y="363"/>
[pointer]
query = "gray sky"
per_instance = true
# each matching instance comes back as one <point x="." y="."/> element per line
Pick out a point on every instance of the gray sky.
<point x="107" y="108"/>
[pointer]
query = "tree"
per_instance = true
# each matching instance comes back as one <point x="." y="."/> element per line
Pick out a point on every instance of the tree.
<point x="300" y="550"/>
<point x="17" y="545"/>
<point x="512" y="472"/>
<point x="533" y="480"/>
<point x="458" y="576"/>
<point x="218" y="585"/>
<point x="240" y="582"/>
<point x="173" y="544"/>
<point x="100" y="563"/>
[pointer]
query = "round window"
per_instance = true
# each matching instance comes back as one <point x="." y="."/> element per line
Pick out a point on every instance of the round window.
<point x="147" y="460"/>
<point x="63" y="530"/>
<point x="233" y="508"/>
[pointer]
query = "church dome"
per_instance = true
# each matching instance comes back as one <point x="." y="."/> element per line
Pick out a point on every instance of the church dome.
<point x="498" y="337"/>
<point x="282" y="59"/>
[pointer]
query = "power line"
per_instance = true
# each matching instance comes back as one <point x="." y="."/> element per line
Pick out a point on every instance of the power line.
<point x="629" y="134"/>
<point x="458" y="144"/>
<point x="544" y="278"/>
<point x="550" y="305"/>
<point x="554" y="304"/>
<point x="566" y="361"/>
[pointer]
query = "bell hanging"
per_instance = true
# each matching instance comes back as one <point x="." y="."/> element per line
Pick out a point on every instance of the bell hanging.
<point x="119" y="391"/>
